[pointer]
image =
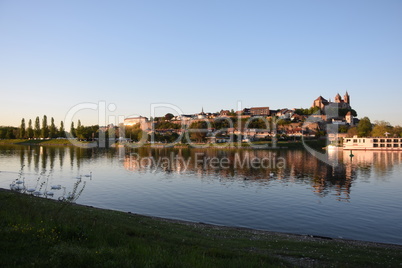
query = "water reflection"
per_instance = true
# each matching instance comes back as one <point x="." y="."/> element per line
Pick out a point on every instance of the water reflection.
<point x="260" y="167"/>
<point x="290" y="166"/>
<point x="41" y="160"/>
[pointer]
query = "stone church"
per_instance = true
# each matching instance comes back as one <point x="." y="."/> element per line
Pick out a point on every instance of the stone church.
<point x="341" y="103"/>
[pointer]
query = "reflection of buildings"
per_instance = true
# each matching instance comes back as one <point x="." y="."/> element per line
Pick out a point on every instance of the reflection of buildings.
<point x="281" y="166"/>
<point x="300" y="167"/>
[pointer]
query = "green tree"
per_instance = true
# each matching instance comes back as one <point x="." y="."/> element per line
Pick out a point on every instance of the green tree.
<point x="45" y="128"/>
<point x="168" y="116"/>
<point x="30" y="131"/>
<point x="79" y="131"/>
<point x="61" y="130"/>
<point x="307" y="111"/>
<point x="353" y="132"/>
<point x="134" y="132"/>
<point x="52" y="129"/>
<point x="22" y="133"/>
<point x="364" y="127"/>
<point x="380" y="129"/>
<point x="232" y="113"/>
<point x="8" y="132"/>
<point x="343" y="129"/>
<point x="313" y="110"/>
<point x="166" y="125"/>
<point x="198" y="131"/>
<point x="397" y="131"/>
<point x="37" y="128"/>
<point x="72" y="129"/>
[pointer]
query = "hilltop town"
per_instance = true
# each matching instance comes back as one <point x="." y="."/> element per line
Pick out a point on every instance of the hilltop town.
<point x="252" y="124"/>
<point x="325" y="118"/>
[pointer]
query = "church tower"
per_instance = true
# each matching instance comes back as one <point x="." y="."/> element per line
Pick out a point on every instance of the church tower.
<point x="338" y="98"/>
<point x="346" y="98"/>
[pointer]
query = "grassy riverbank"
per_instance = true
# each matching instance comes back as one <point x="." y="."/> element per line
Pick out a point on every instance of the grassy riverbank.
<point x="317" y="144"/>
<point x="36" y="231"/>
<point x="55" y="142"/>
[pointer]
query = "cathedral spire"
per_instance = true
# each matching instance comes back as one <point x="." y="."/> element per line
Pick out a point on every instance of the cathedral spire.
<point x="347" y="97"/>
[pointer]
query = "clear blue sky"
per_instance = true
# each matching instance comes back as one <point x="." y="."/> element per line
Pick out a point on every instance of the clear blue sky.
<point x="193" y="54"/>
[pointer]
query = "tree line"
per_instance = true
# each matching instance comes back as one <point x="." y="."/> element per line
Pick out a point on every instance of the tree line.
<point x="33" y="130"/>
<point x="41" y="129"/>
<point x="377" y="129"/>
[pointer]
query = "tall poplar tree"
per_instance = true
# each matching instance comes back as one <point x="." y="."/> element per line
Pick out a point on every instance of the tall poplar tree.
<point x="72" y="129"/>
<point x="61" y="130"/>
<point x="30" y="131"/>
<point x="37" y="128"/>
<point x="22" y="129"/>
<point x="52" y="129"/>
<point x="45" y="128"/>
<point x="78" y="130"/>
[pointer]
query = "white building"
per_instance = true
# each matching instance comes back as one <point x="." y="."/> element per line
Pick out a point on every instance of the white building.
<point x="131" y="121"/>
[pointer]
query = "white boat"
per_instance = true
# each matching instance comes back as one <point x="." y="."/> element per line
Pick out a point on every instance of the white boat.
<point x="384" y="144"/>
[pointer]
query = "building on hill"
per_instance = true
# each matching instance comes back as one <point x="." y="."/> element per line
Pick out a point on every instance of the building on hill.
<point x="344" y="103"/>
<point x="320" y="102"/>
<point x="131" y="121"/>
<point x="145" y="125"/>
<point x="260" y="111"/>
<point x="224" y="113"/>
<point x="349" y="118"/>
<point x="201" y="115"/>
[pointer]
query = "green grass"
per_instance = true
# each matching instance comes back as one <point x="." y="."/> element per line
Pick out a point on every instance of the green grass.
<point x="40" y="142"/>
<point x="12" y="141"/>
<point x="39" y="232"/>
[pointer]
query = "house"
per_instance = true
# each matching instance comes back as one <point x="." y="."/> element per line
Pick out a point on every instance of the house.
<point x="260" y="111"/>
<point x="245" y="111"/>
<point x="297" y="118"/>
<point x="296" y="132"/>
<point x="224" y="113"/>
<point x="349" y="118"/>
<point x="285" y="113"/>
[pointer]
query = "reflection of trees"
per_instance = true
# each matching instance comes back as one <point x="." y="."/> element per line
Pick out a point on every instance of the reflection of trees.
<point x="71" y="152"/>
<point x="44" y="156"/>
<point x="22" y="157"/>
<point x="335" y="178"/>
<point x="61" y="156"/>
<point x="36" y="157"/>
<point x="52" y="156"/>
<point x="301" y="167"/>
<point x="29" y="155"/>
<point x="381" y="162"/>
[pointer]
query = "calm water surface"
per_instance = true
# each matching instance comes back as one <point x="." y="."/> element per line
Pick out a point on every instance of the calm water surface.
<point x="285" y="191"/>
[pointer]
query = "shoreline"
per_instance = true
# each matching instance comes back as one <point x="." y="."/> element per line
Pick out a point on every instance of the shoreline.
<point x="34" y="228"/>
<point x="307" y="237"/>
<point x="300" y="237"/>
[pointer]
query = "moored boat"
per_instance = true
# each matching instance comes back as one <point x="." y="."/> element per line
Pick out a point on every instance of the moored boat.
<point x="386" y="144"/>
